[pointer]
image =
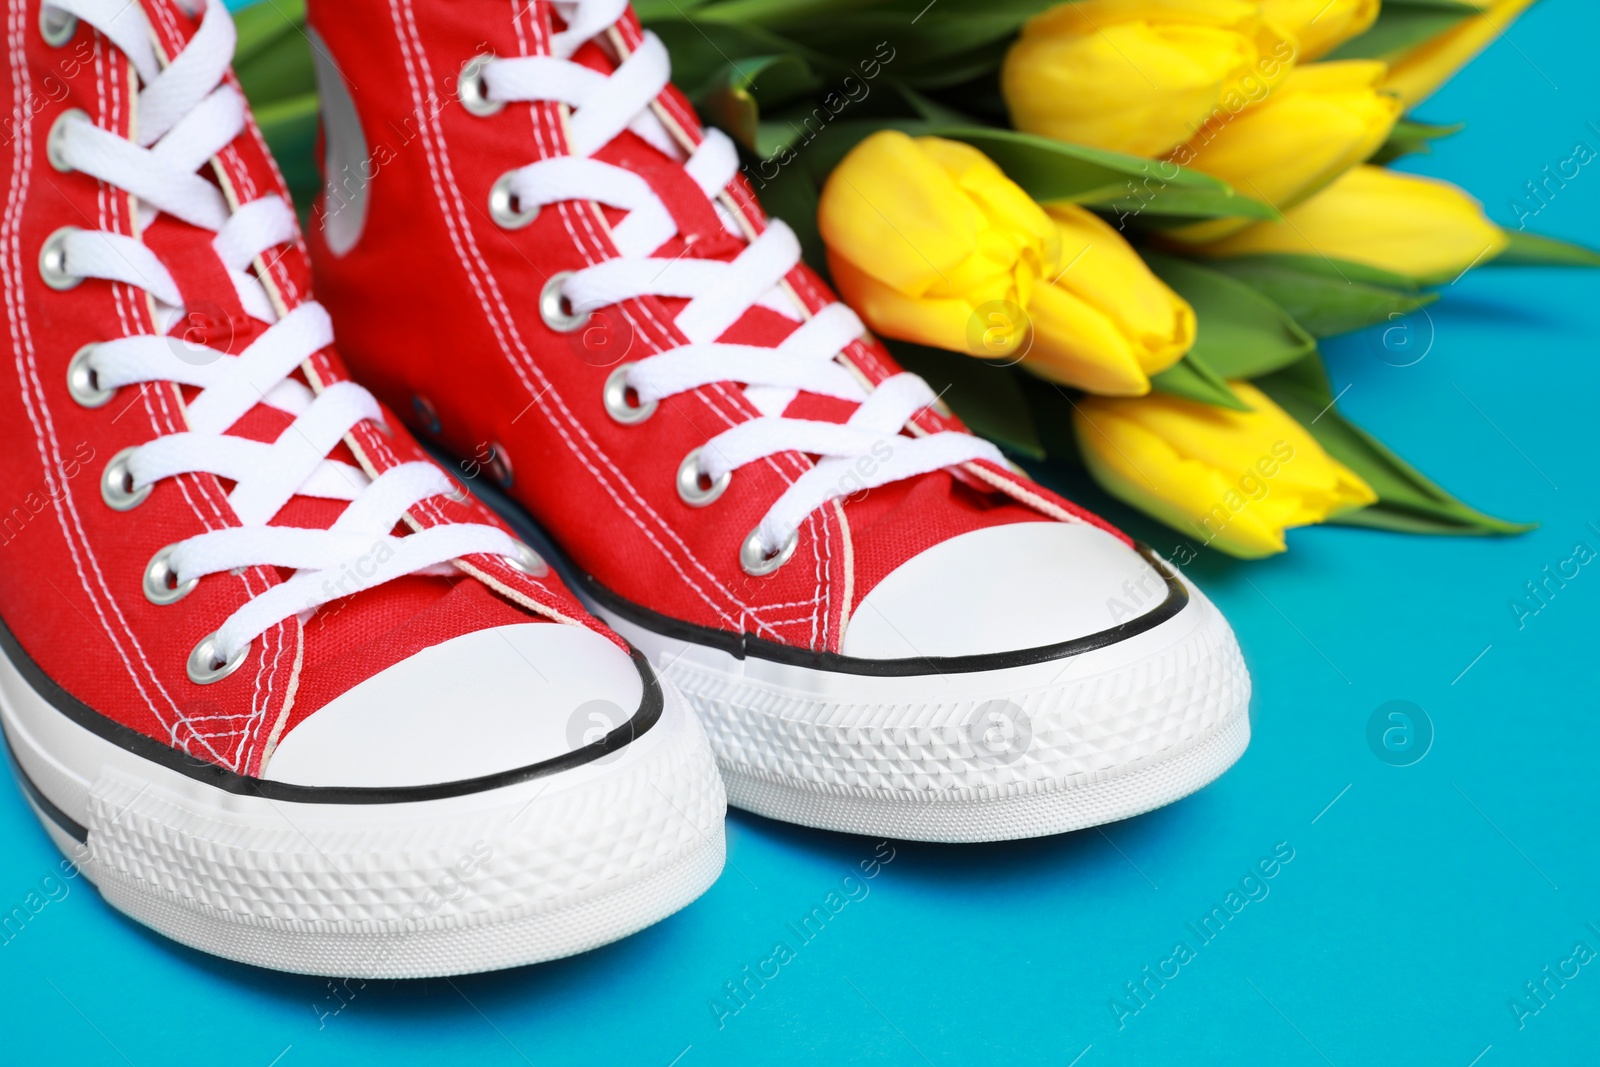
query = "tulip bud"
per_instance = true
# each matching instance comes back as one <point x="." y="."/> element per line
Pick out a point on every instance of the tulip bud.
<point x="1140" y="76"/>
<point x="1235" y="479"/>
<point x="1324" y="119"/>
<point x="1419" y="227"/>
<point x="930" y="242"/>
<point x="1414" y="75"/>
<point x="1320" y="26"/>
<point x="1105" y="323"/>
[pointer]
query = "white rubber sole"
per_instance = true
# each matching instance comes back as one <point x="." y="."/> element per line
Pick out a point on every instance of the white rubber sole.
<point x="979" y="756"/>
<point x="527" y="872"/>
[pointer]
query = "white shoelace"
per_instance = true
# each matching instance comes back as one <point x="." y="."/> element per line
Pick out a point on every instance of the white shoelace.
<point x="185" y="115"/>
<point x="719" y="293"/>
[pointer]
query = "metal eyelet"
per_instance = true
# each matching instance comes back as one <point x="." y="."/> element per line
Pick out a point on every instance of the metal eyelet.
<point x="694" y="488"/>
<point x="54" y="144"/>
<point x="556" y="309"/>
<point x="472" y="92"/>
<point x="82" y="384"/>
<point x="616" y="398"/>
<point x="53" y="260"/>
<point x="427" y="413"/>
<point x="116" y="483"/>
<point x="56" y="26"/>
<point x="161" y="585"/>
<point x="503" y="205"/>
<point x="206" y="667"/>
<point x="528" y="562"/>
<point x="498" y="465"/>
<point x="754" y="559"/>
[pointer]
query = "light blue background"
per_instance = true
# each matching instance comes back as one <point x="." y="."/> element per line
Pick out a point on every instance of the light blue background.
<point x="1416" y="906"/>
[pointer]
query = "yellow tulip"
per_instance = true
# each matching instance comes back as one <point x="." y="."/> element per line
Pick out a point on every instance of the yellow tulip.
<point x="1324" y="119"/>
<point x="1140" y="76"/>
<point x="1233" y="479"/>
<point x="1105" y="323"/>
<point x="1320" y="26"/>
<point x="930" y="242"/>
<point x="1423" y="228"/>
<point x="1415" y="75"/>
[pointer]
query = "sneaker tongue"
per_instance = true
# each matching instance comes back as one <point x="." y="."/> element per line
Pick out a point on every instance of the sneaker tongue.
<point x="213" y="319"/>
<point x="701" y="233"/>
<point x="173" y="25"/>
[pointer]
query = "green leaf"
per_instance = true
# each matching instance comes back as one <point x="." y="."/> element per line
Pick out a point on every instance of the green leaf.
<point x="1326" y="267"/>
<point x="1531" y="250"/>
<point x="791" y="13"/>
<point x="1155" y="205"/>
<point x="1407" y="500"/>
<point x="261" y="24"/>
<point x="928" y="109"/>
<point x="961" y="71"/>
<point x="290" y="129"/>
<point x="773" y="12"/>
<point x="652" y="12"/>
<point x="1048" y="169"/>
<point x="273" y="57"/>
<point x="1403" y="25"/>
<point x="985" y="394"/>
<point x="925" y="45"/>
<point x="816" y="140"/>
<point x="1412" y="138"/>
<point x="1397" y="519"/>
<point x="1460" y="7"/>
<point x="701" y="51"/>
<point x="1191" y="379"/>
<point x="736" y="94"/>
<point x="1327" y="297"/>
<point x="1050" y="406"/>
<point x="1239" y="332"/>
<point x="791" y="195"/>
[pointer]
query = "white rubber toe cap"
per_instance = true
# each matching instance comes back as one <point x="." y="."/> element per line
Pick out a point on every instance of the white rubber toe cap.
<point x="1002" y="589"/>
<point x="486" y="702"/>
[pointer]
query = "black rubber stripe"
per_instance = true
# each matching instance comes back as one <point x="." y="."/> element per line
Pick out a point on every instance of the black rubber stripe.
<point x="648" y="714"/>
<point x="743" y="646"/>
<point x="74" y="829"/>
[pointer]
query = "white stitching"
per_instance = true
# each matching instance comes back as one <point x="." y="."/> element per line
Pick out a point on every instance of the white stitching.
<point x="10" y="250"/>
<point x="447" y="188"/>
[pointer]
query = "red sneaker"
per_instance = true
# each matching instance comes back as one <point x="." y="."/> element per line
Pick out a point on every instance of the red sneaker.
<point x="549" y="265"/>
<point x="279" y="690"/>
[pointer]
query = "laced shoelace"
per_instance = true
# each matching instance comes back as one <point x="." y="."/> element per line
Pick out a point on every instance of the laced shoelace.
<point x="186" y="114"/>
<point x="718" y="293"/>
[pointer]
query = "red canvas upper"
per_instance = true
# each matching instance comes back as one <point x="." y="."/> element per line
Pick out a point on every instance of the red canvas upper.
<point x="71" y="567"/>
<point x="439" y="309"/>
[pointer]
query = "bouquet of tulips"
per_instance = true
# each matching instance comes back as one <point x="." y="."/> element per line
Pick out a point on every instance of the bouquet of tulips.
<point x="1114" y="229"/>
